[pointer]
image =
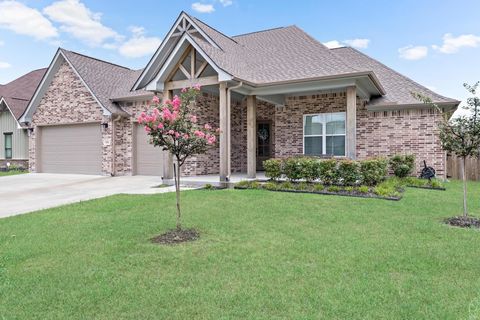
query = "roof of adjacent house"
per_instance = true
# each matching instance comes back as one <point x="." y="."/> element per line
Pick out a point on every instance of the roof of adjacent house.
<point x="398" y="87"/>
<point x="18" y="92"/>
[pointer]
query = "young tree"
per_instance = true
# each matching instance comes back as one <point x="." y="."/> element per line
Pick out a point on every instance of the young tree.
<point x="461" y="135"/>
<point x="173" y="126"/>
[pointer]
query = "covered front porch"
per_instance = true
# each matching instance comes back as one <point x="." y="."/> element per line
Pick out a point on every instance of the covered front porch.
<point x="187" y="62"/>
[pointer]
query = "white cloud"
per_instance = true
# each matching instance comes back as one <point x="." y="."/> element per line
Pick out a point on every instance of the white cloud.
<point x="413" y="52"/>
<point x="226" y="3"/>
<point x="333" y="44"/>
<point x="4" y="65"/>
<point x="24" y="20"/>
<point x="358" y="43"/>
<point x="2" y="43"/>
<point x="75" y="18"/>
<point x="203" y="8"/>
<point x="452" y="44"/>
<point x="139" y="45"/>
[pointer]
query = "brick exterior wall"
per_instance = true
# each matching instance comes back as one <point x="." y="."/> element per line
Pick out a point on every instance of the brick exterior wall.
<point x="378" y="133"/>
<point x="68" y="101"/>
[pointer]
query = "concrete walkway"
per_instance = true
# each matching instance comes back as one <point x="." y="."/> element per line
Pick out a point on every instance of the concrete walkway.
<point x="34" y="191"/>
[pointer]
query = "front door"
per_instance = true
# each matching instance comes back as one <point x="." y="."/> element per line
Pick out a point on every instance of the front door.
<point x="264" y="142"/>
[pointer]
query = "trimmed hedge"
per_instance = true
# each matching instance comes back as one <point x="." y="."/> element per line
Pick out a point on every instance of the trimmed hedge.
<point x="402" y="165"/>
<point x="330" y="172"/>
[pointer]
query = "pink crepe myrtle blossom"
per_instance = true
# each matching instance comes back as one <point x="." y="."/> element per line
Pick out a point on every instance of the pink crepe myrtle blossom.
<point x="155" y="100"/>
<point x="172" y="125"/>
<point x="197" y="87"/>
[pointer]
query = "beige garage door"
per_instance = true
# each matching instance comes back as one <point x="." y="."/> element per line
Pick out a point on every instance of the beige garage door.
<point x="149" y="159"/>
<point x="71" y="149"/>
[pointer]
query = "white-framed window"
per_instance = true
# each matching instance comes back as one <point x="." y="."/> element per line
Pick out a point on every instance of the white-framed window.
<point x="324" y="134"/>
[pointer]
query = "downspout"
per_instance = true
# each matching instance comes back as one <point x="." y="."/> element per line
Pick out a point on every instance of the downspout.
<point x="113" y="144"/>
<point x="229" y="127"/>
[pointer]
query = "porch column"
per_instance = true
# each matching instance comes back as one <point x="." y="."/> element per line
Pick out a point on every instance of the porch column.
<point x="351" y="123"/>
<point x="251" y="137"/>
<point x="224" y="133"/>
<point x="167" y="156"/>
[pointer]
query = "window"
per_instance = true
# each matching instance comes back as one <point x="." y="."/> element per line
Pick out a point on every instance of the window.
<point x="324" y="134"/>
<point x="8" y="145"/>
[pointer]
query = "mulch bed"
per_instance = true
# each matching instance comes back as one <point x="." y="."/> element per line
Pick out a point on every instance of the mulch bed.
<point x="176" y="236"/>
<point x="325" y="192"/>
<point x="463" y="222"/>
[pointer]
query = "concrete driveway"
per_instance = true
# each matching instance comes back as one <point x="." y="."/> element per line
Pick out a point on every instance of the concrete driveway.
<point x="34" y="191"/>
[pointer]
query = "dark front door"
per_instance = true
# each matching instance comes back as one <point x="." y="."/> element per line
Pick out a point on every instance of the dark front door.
<point x="264" y="142"/>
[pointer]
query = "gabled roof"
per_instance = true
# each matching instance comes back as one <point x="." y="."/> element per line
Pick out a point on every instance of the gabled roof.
<point x="17" y="93"/>
<point x="398" y="87"/>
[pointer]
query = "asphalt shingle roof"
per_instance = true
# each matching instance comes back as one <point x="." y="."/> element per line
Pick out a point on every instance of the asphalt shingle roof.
<point x="18" y="92"/>
<point x="398" y="87"/>
<point x="105" y="79"/>
<point x="270" y="56"/>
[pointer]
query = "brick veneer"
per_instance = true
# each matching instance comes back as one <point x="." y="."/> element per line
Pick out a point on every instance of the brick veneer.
<point x="68" y="101"/>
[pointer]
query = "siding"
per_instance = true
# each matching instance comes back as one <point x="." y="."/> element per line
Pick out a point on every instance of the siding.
<point x="19" y="139"/>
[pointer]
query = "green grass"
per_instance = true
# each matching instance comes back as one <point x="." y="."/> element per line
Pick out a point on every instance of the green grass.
<point x="11" y="173"/>
<point x="262" y="255"/>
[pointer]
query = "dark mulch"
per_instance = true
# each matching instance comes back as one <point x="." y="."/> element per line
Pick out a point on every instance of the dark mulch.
<point x="463" y="222"/>
<point x="176" y="236"/>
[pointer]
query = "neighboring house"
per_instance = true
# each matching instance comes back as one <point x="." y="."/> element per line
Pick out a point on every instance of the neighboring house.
<point x="273" y="93"/>
<point x="14" y="98"/>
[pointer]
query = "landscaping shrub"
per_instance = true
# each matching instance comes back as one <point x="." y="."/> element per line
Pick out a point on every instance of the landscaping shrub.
<point x="402" y="165"/>
<point x="349" y="188"/>
<point x="363" y="189"/>
<point x="310" y="169"/>
<point x="303" y="186"/>
<point x="270" y="186"/>
<point x="388" y="188"/>
<point x="348" y="172"/>
<point x="334" y="189"/>
<point x="293" y="168"/>
<point x="328" y="171"/>
<point x="287" y="185"/>
<point x="373" y="171"/>
<point x="273" y="168"/>
<point x="318" y="187"/>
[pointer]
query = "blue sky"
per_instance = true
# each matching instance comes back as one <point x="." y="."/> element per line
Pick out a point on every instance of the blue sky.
<point x="436" y="43"/>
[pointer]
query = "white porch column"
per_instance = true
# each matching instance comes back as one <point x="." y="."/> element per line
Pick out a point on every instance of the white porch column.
<point x="251" y="137"/>
<point x="224" y="133"/>
<point x="351" y="123"/>
<point x="167" y="156"/>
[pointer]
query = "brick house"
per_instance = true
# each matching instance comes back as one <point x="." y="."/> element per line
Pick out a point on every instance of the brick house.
<point x="273" y="93"/>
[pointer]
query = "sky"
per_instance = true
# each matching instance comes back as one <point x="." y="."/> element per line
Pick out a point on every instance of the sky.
<point x="436" y="43"/>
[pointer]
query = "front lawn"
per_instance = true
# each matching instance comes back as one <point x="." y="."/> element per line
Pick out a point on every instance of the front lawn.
<point x="11" y="173"/>
<point x="262" y="255"/>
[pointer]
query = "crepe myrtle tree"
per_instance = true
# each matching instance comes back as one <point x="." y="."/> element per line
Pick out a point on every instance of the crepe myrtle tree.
<point x="172" y="126"/>
<point x="461" y="135"/>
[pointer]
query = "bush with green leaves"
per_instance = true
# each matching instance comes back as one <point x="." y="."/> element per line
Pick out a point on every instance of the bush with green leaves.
<point x="402" y="165"/>
<point x="273" y="168"/>
<point x="293" y="168"/>
<point x="328" y="171"/>
<point x="373" y="171"/>
<point x="363" y="189"/>
<point x="310" y="169"/>
<point x="348" y="172"/>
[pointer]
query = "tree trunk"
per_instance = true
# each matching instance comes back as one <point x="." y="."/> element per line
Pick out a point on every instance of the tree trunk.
<point x="176" y="173"/>
<point x="464" y="177"/>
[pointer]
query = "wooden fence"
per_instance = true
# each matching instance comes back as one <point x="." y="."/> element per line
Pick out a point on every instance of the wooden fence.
<point x="454" y="168"/>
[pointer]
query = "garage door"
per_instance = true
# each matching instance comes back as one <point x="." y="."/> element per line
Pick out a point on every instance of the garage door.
<point x="71" y="149"/>
<point x="149" y="159"/>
